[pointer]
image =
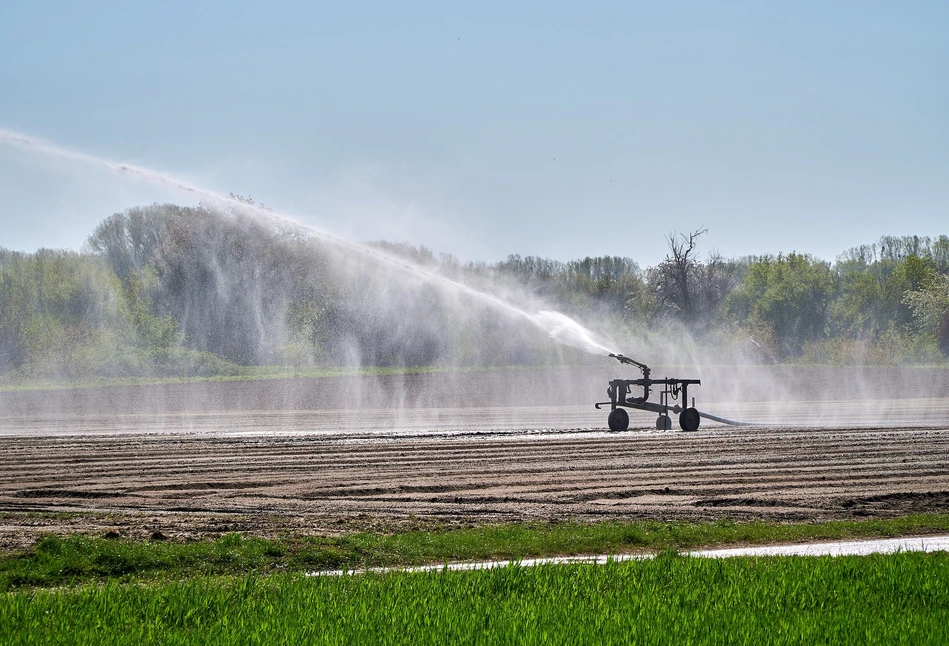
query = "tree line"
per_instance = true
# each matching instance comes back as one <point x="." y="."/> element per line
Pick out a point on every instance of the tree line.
<point x="202" y="290"/>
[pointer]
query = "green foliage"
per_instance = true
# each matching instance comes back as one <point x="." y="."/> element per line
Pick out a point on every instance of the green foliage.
<point x="930" y="307"/>
<point x="894" y="249"/>
<point x="887" y="599"/>
<point x="53" y="307"/>
<point x="129" y="241"/>
<point x="790" y="295"/>
<point x="855" y="312"/>
<point x="604" y="284"/>
<point x="167" y="291"/>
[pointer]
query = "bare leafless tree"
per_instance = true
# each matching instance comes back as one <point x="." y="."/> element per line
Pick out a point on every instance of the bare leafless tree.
<point x="673" y="279"/>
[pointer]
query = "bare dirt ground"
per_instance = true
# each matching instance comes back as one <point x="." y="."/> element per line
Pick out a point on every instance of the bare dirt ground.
<point x="330" y="455"/>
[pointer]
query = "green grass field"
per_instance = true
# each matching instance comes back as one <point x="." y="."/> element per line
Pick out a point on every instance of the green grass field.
<point x="867" y="600"/>
<point x="244" y="590"/>
<point x="75" y="560"/>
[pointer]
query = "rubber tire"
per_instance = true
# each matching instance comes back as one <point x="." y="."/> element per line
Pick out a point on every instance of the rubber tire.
<point x="689" y="420"/>
<point x="618" y="420"/>
<point x="663" y="423"/>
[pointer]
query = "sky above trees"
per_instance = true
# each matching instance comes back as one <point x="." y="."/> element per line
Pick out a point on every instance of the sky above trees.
<point x="541" y="129"/>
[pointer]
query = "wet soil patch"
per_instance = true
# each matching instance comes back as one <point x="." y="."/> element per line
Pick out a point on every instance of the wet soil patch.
<point x="907" y="502"/>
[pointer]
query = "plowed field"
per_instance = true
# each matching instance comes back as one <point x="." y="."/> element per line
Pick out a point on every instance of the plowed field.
<point x="335" y="454"/>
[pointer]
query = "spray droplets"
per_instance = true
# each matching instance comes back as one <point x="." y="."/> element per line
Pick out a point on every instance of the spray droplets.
<point x="566" y="331"/>
<point x="559" y="327"/>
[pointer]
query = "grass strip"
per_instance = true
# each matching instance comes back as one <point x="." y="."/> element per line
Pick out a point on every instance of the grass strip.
<point x="74" y="560"/>
<point x="881" y="599"/>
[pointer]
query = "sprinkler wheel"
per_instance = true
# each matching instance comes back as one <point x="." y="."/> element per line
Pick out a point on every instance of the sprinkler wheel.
<point x="689" y="420"/>
<point x="618" y="420"/>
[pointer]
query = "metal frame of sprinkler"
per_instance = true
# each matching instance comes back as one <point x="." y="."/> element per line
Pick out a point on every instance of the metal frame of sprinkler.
<point x="619" y="394"/>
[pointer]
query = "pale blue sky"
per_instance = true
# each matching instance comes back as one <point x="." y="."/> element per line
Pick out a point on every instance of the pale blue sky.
<point x="551" y="129"/>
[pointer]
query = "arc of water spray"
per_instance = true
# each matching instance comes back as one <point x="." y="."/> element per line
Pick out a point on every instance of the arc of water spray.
<point x="558" y="327"/>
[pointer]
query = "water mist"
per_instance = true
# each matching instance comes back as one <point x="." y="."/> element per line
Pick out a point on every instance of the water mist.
<point x="559" y="327"/>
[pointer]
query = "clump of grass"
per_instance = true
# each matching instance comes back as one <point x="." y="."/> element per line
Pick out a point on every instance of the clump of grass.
<point x="879" y="599"/>
<point x="76" y="559"/>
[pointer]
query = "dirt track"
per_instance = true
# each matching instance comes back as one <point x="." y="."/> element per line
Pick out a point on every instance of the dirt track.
<point x="199" y="470"/>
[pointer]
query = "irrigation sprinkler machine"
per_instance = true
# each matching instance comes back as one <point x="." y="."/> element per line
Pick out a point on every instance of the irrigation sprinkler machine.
<point x="622" y="396"/>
